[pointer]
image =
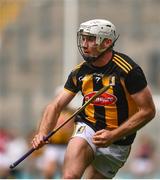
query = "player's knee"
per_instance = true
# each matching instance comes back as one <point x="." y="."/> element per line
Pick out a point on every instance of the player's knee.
<point x="71" y="175"/>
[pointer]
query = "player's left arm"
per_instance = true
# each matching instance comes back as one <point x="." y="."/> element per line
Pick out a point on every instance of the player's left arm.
<point x="146" y="113"/>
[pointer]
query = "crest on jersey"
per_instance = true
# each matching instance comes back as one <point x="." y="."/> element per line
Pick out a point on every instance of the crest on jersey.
<point x="81" y="129"/>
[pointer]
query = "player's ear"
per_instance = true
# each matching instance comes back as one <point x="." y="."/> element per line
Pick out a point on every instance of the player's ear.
<point x="106" y="43"/>
<point x="109" y="41"/>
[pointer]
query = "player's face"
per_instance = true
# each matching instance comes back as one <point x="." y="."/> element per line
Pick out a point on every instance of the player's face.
<point x="89" y="46"/>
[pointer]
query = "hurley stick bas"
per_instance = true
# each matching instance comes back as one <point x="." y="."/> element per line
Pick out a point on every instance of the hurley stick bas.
<point x="102" y="90"/>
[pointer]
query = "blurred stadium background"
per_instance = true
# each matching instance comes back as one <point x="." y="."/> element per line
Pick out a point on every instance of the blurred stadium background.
<point x="38" y="49"/>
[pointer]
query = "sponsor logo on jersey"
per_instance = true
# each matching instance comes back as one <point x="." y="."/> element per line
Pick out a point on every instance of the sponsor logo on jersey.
<point x="103" y="100"/>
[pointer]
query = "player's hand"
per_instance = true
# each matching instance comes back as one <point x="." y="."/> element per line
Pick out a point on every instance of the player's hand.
<point x="38" y="141"/>
<point x="103" y="138"/>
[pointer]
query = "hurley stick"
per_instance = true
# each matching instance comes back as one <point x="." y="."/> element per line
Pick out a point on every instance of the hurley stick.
<point x="105" y="88"/>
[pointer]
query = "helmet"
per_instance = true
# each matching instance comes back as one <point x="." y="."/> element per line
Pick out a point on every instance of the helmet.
<point x="100" y="28"/>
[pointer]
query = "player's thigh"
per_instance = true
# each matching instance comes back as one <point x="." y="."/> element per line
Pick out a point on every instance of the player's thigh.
<point x="78" y="156"/>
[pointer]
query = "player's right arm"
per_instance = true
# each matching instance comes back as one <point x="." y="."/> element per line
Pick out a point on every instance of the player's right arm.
<point x="50" y="117"/>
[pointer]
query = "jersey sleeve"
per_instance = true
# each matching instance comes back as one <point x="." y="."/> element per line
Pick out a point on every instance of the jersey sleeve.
<point x="135" y="80"/>
<point x="71" y="83"/>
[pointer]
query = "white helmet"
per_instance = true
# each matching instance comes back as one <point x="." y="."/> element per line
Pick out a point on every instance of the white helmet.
<point x="100" y="28"/>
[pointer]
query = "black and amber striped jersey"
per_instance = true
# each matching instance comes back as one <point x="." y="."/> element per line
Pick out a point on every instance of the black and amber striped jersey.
<point x="115" y="106"/>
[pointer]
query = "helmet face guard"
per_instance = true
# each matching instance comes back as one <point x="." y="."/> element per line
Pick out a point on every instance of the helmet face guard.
<point x="100" y="29"/>
<point x="80" y="48"/>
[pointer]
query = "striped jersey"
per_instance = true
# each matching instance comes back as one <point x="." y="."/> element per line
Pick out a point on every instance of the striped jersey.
<point x="115" y="106"/>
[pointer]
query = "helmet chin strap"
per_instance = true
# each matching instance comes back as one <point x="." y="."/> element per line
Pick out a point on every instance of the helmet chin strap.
<point x="90" y="60"/>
